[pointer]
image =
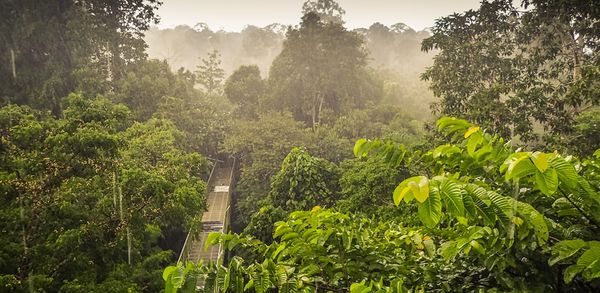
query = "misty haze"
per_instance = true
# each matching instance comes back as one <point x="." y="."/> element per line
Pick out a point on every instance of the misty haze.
<point x="299" y="146"/>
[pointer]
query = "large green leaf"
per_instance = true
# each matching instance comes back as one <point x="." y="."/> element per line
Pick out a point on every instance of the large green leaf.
<point x="360" y="288"/>
<point x="547" y="182"/>
<point x="520" y="167"/>
<point x="168" y="272"/>
<point x="571" y="271"/>
<point x="503" y="204"/>
<point x="475" y="203"/>
<point x="452" y="196"/>
<point x="536" y="220"/>
<point x="358" y="147"/>
<point x="565" y="171"/>
<point x="589" y="258"/>
<point x="565" y="249"/>
<point x="430" y="211"/>
<point x="399" y="193"/>
<point x="471" y="131"/>
<point x="540" y="160"/>
<point x="472" y="143"/>
<point x="445" y="150"/>
<point x="448" y="250"/>
<point x="415" y="187"/>
<point x="423" y="191"/>
<point x="212" y="239"/>
<point x="450" y="125"/>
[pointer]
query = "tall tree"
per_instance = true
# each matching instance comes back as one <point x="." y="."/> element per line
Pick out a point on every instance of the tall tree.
<point x="244" y="88"/>
<point x="328" y="10"/>
<point x="508" y="69"/>
<point x="51" y="48"/>
<point x="210" y="74"/>
<point x="322" y="66"/>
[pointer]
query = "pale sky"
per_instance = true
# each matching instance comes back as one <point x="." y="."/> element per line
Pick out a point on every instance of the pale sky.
<point x="234" y="15"/>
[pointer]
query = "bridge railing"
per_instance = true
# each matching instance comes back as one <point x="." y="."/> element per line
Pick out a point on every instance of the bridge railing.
<point x="191" y="235"/>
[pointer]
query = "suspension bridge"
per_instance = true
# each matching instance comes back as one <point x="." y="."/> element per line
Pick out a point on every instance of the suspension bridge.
<point x="215" y="219"/>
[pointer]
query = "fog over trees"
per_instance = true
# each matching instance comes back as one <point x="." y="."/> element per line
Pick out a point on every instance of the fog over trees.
<point x="394" y="51"/>
<point x="304" y="158"/>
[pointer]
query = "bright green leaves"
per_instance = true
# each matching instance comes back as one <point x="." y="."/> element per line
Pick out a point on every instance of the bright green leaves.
<point x="503" y="204"/>
<point x="548" y="170"/>
<point x="535" y="220"/>
<point x="430" y="210"/>
<point x="547" y="182"/>
<point x="467" y="202"/>
<point x="540" y="160"/>
<point x="519" y="165"/>
<point x="471" y="130"/>
<point x="471" y="240"/>
<point x="328" y="249"/>
<point x="587" y="264"/>
<point x="445" y="150"/>
<point x="180" y="278"/>
<point x="360" y="148"/>
<point x="395" y="286"/>
<point x="430" y="204"/>
<point x="451" y="194"/>
<point x="479" y="145"/>
<point x="415" y="187"/>
<point x="211" y="239"/>
<point x="565" y="171"/>
<point x="471" y="196"/>
<point x="360" y="288"/>
<point x="393" y="154"/>
<point x="451" y="125"/>
<point x="474" y="140"/>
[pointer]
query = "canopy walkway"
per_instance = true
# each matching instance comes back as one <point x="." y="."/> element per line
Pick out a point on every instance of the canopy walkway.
<point x="215" y="219"/>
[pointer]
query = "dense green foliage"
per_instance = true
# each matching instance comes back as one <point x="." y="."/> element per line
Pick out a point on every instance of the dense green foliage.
<point x="322" y="66"/>
<point x="77" y="191"/>
<point x="245" y="88"/>
<point x="502" y="219"/>
<point x="52" y="48"/>
<point x="507" y="68"/>
<point x="343" y="182"/>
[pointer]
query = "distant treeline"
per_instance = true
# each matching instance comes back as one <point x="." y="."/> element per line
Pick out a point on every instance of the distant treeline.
<point x="396" y="48"/>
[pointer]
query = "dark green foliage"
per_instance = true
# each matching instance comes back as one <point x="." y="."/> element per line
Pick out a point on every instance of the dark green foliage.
<point x="366" y="187"/>
<point x="146" y="83"/>
<point x="507" y="69"/>
<point x="262" y="222"/>
<point x="76" y="189"/>
<point x="61" y="46"/>
<point x="260" y="146"/>
<point x="204" y="125"/>
<point x="244" y="88"/>
<point x="304" y="182"/>
<point x="586" y="134"/>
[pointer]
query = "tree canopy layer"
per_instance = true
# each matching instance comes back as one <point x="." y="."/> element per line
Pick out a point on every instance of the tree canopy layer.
<point x="509" y="69"/>
<point x="55" y="47"/>
<point x="86" y="194"/>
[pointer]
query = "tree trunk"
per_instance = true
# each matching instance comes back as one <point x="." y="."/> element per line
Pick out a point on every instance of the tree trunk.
<point x="314" y="112"/>
<point x="321" y="100"/>
<point x="12" y="65"/>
